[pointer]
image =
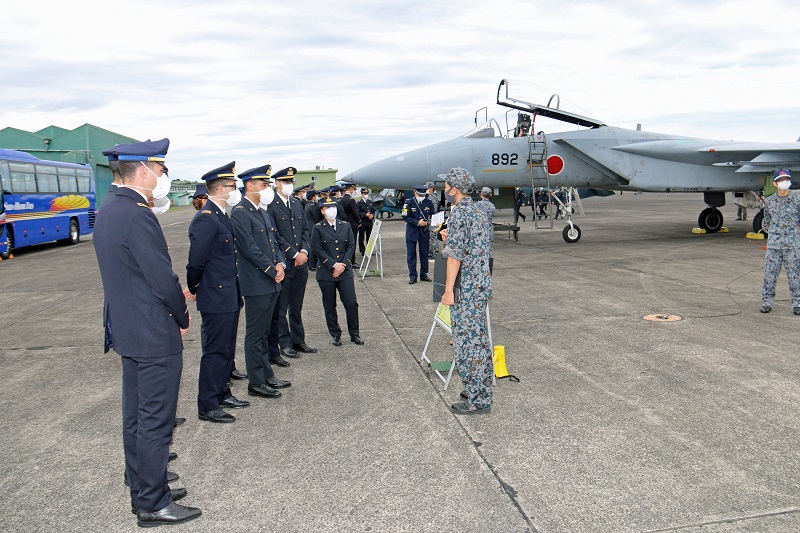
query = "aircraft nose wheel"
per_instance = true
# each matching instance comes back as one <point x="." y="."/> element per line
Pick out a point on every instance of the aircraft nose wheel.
<point x="571" y="233"/>
<point x="710" y="219"/>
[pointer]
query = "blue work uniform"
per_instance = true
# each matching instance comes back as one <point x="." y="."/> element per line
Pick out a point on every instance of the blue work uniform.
<point x="417" y="236"/>
<point x="211" y="275"/>
<point x="143" y="313"/>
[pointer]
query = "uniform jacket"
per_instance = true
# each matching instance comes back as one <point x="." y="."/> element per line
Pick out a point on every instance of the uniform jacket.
<point x="782" y="220"/>
<point x="364" y="207"/>
<point x="312" y="215"/>
<point x="290" y="223"/>
<point x="112" y="191"/>
<point x="413" y="212"/>
<point x="211" y="270"/>
<point x="469" y="241"/>
<point x="144" y="306"/>
<point x="351" y="211"/>
<point x="333" y="246"/>
<point x="258" y="248"/>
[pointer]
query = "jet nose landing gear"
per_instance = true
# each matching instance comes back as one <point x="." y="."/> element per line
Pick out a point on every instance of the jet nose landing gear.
<point x="710" y="219"/>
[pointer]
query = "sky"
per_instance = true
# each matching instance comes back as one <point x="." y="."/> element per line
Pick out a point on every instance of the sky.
<point x="341" y="84"/>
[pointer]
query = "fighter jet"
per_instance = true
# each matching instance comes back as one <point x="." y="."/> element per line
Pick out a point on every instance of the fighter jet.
<point x="598" y="157"/>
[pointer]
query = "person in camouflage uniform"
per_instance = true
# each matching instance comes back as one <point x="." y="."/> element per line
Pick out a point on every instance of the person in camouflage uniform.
<point x="468" y="249"/>
<point x="782" y="224"/>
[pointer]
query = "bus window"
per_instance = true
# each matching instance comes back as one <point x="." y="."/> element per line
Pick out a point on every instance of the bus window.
<point x="84" y="180"/>
<point x="67" y="183"/>
<point x="46" y="179"/>
<point x="22" y="177"/>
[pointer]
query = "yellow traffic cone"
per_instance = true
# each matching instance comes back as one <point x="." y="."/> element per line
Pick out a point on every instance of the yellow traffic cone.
<point x="500" y="369"/>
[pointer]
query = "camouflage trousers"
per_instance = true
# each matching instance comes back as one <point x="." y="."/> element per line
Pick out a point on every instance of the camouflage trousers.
<point x="775" y="257"/>
<point x="472" y="351"/>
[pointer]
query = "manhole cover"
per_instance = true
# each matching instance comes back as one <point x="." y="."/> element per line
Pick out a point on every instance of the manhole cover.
<point x="662" y="317"/>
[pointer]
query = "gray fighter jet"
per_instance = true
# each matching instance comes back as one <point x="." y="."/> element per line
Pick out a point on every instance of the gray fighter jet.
<point x="598" y="157"/>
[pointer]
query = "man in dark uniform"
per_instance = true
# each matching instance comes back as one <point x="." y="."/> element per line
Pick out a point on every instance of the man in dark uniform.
<point x="144" y="316"/>
<point x="289" y="218"/>
<point x="366" y="213"/>
<point x="333" y="242"/>
<point x="417" y="213"/>
<point x="351" y="212"/>
<point x="212" y="282"/>
<point x="113" y="165"/>
<point x="261" y="270"/>
<point x="312" y="216"/>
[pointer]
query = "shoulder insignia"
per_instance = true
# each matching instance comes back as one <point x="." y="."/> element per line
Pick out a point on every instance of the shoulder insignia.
<point x="239" y="207"/>
<point x="206" y="212"/>
<point x="140" y="204"/>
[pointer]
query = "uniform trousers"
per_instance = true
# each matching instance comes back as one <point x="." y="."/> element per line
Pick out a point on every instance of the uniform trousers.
<point x="347" y="293"/>
<point x="363" y="237"/>
<point x="149" y="399"/>
<point x="775" y="257"/>
<point x="473" y="354"/>
<point x="218" y="338"/>
<point x="293" y="291"/>
<point x="258" y="318"/>
<point x="423" y="241"/>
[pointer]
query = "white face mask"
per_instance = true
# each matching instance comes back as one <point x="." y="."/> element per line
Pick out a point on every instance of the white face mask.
<point x="365" y="196"/>
<point x="784" y="185"/>
<point x="161" y="205"/>
<point x="265" y="197"/>
<point x="162" y="184"/>
<point x="234" y="197"/>
<point x="330" y="213"/>
<point x="287" y="189"/>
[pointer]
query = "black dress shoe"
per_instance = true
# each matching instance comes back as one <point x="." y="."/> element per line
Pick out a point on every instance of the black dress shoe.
<point x="356" y="339"/>
<point x="234" y="403"/>
<point x="175" y="494"/>
<point x="412" y="281"/>
<point x="425" y="278"/>
<point x="172" y="456"/>
<point x="235" y="374"/>
<point x="217" y="415"/>
<point x="179" y="420"/>
<point x="464" y="408"/>
<point x="280" y="361"/>
<point x="276" y="383"/>
<point x="305" y="348"/>
<point x="464" y="395"/>
<point x="265" y="391"/>
<point x="173" y="513"/>
<point x="337" y="341"/>
<point x="172" y="477"/>
<point x="290" y="352"/>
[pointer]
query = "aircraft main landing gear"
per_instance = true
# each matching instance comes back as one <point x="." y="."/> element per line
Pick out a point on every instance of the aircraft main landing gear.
<point x="710" y="219"/>
<point x="758" y="222"/>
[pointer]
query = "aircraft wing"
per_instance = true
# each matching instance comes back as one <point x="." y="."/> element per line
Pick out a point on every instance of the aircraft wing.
<point x="757" y="157"/>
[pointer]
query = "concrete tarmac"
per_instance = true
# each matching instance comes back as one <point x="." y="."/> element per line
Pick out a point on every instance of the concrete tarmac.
<point x="617" y="424"/>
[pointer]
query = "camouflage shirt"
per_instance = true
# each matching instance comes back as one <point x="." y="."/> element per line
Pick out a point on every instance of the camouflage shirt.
<point x="489" y="208"/>
<point x="782" y="220"/>
<point x="469" y="241"/>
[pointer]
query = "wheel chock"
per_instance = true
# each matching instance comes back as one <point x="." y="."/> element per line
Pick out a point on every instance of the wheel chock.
<point x="757" y="236"/>
<point x="698" y="231"/>
<point x="723" y="229"/>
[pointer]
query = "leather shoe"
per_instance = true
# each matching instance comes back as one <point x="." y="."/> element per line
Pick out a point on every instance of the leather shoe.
<point x="337" y="341"/>
<point x="356" y="339"/>
<point x="464" y="408"/>
<point x="217" y="415"/>
<point x="179" y="420"/>
<point x="766" y="308"/>
<point x="305" y="348"/>
<point x="464" y="395"/>
<point x="276" y="383"/>
<point x="175" y="494"/>
<point x="234" y="403"/>
<point x="796" y="310"/>
<point x="425" y="278"/>
<point x="238" y="375"/>
<point x="280" y="361"/>
<point x="290" y="352"/>
<point x="265" y="391"/>
<point x="412" y="281"/>
<point x="172" y="456"/>
<point x="173" y="513"/>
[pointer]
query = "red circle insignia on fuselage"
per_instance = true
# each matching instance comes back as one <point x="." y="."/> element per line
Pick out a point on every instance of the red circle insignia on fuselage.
<point x="555" y="165"/>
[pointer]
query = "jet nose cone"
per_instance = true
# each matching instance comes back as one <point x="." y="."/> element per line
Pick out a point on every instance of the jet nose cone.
<point x="396" y="172"/>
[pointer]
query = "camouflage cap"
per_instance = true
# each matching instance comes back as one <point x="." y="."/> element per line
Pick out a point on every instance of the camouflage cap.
<point x="459" y="178"/>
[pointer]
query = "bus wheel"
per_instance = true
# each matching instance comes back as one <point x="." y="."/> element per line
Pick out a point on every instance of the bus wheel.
<point x="10" y="249"/>
<point x="74" y="233"/>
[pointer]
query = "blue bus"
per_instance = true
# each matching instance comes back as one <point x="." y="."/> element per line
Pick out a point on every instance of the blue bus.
<point x="43" y="201"/>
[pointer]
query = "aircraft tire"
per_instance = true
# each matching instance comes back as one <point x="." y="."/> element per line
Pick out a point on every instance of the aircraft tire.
<point x="571" y="234"/>
<point x="710" y="219"/>
<point x="758" y="222"/>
